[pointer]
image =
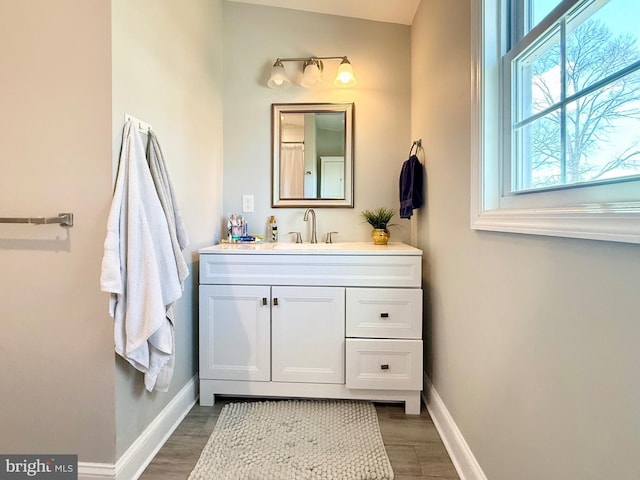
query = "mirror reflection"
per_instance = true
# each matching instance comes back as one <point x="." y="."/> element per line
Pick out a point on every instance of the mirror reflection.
<point x="312" y="155"/>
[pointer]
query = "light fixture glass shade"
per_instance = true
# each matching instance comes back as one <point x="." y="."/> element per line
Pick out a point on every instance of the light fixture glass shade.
<point x="312" y="75"/>
<point x="344" y="75"/>
<point x="278" y="77"/>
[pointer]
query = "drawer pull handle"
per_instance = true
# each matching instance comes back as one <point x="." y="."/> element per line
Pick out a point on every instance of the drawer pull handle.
<point x="275" y="302"/>
<point x="264" y="300"/>
<point x="384" y="315"/>
<point x="384" y="366"/>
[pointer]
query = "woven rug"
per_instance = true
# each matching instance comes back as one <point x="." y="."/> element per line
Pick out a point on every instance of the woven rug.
<point x="295" y="440"/>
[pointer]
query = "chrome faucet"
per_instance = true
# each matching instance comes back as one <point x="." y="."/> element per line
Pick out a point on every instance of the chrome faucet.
<point x="314" y="239"/>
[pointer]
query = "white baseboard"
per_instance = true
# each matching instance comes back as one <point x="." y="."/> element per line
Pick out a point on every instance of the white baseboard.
<point x="96" y="471"/>
<point x="461" y="455"/>
<point x="133" y="462"/>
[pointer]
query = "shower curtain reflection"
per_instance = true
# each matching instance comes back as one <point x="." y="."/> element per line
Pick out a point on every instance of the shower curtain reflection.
<point x="292" y="170"/>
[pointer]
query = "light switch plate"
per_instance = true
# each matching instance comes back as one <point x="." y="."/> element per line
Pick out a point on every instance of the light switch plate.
<point x="247" y="203"/>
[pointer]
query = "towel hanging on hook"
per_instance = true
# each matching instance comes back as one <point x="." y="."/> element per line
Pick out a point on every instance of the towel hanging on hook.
<point x="411" y="183"/>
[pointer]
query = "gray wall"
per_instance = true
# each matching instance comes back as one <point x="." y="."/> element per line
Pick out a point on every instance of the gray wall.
<point x="254" y="36"/>
<point x="167" y="71"/>
<point x="56" y="337"/>
<point x="533" y="341"/>
<point x="71" y="69"/>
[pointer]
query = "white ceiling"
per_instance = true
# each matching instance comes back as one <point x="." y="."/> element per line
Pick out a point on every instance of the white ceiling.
<point x="392" y="11"/>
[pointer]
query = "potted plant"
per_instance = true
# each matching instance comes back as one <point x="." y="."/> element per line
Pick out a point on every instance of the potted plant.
<point x="379" y="219"/>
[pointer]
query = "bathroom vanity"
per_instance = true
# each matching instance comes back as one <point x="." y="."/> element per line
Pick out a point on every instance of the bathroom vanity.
<point x="341" y="320"/>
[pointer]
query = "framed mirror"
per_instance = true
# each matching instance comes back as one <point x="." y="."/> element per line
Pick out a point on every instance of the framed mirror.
<point x="312" y="155"/>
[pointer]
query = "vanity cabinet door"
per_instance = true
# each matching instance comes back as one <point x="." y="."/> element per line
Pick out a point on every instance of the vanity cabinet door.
<point x="235" y="332"/>
<point x="308" y="334"/>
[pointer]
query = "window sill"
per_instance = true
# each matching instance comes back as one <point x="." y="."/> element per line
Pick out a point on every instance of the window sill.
<point x="616" y="222"/>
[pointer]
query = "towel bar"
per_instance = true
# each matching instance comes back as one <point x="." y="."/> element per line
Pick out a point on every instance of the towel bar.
<point x="64" y="219"/>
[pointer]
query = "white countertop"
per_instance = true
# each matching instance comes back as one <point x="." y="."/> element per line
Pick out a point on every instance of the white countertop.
<point x="339" y="248"/>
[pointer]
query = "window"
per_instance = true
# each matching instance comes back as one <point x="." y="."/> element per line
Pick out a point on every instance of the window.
<point x="557" y="118"/>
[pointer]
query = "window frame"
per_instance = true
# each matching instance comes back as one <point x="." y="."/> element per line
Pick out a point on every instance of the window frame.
<point x="566" y="212"/>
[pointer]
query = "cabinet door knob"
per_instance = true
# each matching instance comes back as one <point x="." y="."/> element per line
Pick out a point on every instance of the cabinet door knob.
<point x="384" y="366"/>
<point x="384" y="315"/>
<point x="264" y="300"/>
<point x="275" y="301"/>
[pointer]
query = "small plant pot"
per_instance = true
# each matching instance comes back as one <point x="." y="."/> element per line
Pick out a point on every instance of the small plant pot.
<point x="380" y="236"/>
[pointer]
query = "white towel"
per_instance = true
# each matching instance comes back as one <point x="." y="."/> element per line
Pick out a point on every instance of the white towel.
<point x="160" y="175"/>
<point x="177" y="233"/>
<point x="139" y="266"/>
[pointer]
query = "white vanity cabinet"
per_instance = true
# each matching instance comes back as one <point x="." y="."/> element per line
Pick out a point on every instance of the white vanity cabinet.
<point x="322" y="321"/>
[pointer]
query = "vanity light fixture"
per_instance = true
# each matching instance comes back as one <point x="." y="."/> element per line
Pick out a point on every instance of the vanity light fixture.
<point x="312" y="68"/>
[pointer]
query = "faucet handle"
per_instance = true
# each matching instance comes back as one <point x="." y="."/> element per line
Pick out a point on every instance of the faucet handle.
<point x="298" y="236"/>
<point x="329" y="238"/>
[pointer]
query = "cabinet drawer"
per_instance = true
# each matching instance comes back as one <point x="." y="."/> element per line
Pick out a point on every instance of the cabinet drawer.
<point x="384" y="312"/>
<point x="384" y="364"/>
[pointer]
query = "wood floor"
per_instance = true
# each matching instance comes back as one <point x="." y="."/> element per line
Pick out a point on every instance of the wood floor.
<point x="412" y="442"/>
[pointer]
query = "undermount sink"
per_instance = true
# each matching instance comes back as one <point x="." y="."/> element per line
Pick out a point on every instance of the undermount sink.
<point x="308" y="246"/>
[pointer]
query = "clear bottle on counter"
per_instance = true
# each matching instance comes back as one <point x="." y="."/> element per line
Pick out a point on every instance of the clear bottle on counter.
<point x="273" y="229"/>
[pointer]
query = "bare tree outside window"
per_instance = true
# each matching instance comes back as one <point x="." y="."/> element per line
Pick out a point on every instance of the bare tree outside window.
<point x="595" y="134"/>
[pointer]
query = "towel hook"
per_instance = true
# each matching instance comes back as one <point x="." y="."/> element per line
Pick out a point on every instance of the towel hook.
<point x="140" y="125"/>
<point x="417" y="144"/>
